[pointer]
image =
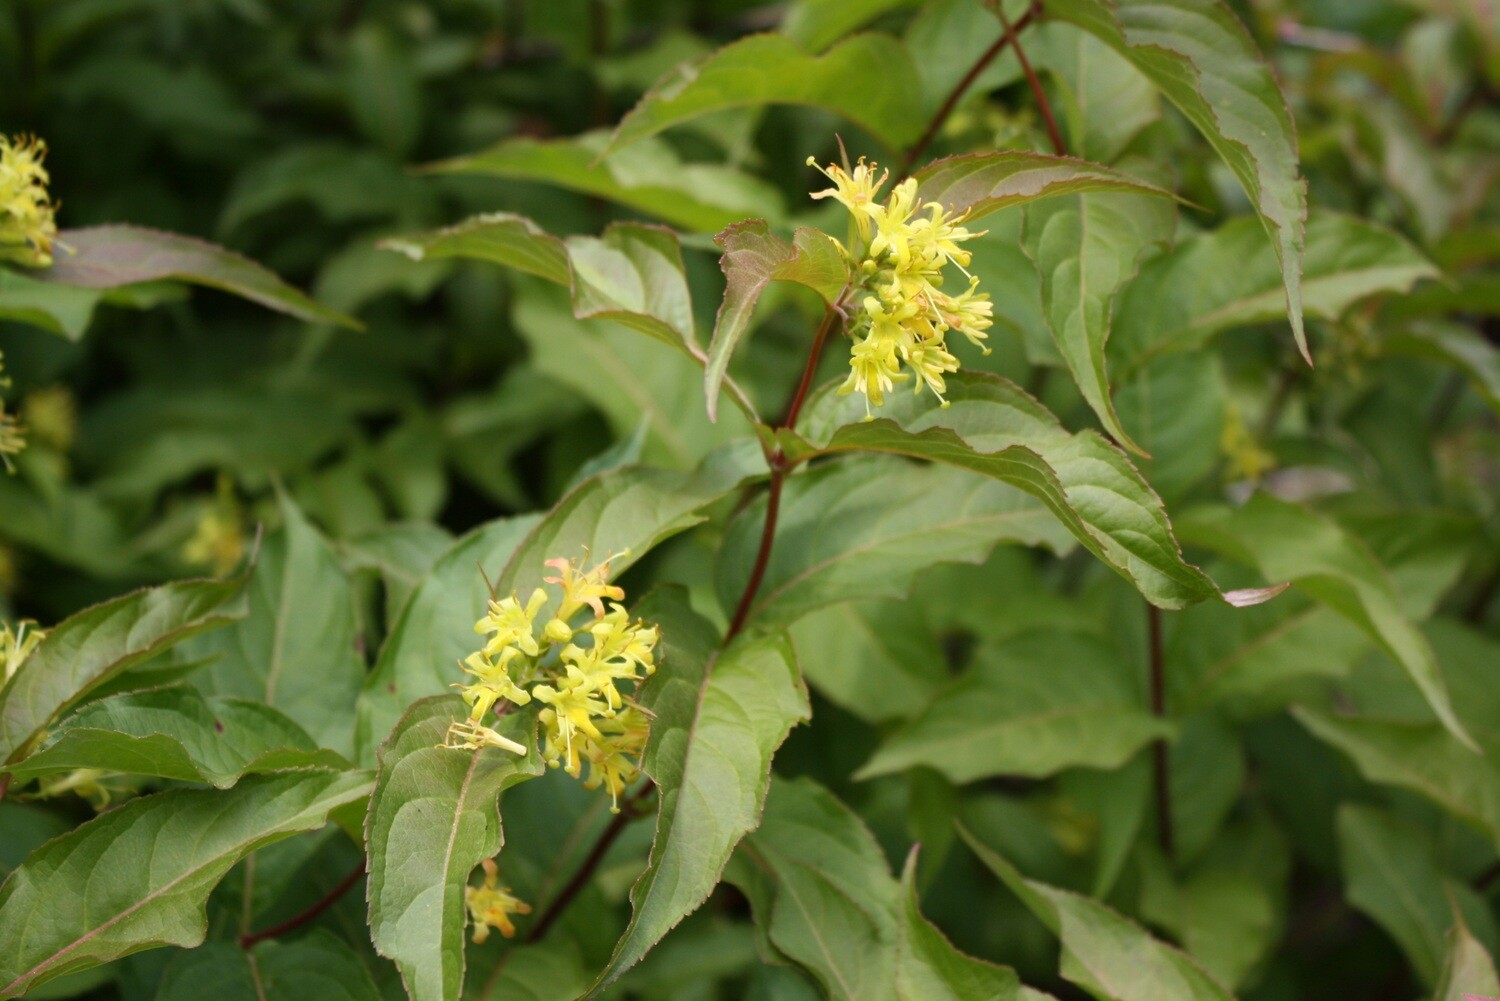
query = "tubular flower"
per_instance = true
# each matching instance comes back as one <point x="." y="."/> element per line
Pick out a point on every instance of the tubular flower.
<point x="16" y="645"/>
<point x="27" y="216"/>
<point x="573" y="668"/>
<point x="903" y="247"/>
<point x="219" y="540"/>
<point x="491" y="905"/>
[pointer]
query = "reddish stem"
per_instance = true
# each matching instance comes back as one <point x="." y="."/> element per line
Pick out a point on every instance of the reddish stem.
<point x="585" y="871"/>
<point x="290" y="924"/>
<point x="957" y="93"/>
<point x="1012" y="32"/>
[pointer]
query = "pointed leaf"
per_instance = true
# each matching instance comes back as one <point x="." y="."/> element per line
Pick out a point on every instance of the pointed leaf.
<point x="175" y="733"/>
<point x="103" y="257"/>
<point x="981" y="183"/>
<point x="1287" y="542"/>
<point x="88" y="649"/>
<point x="865" y="529"/>
<point x="1391" y="874"/>
<point x="718" y="719"/>
<point x="433" y="817"/>
<point x="1228" y="278"/>
<point x="139" y="876"/>
<point x="296" y="650"/>
<point x="1086" y="247"/>
<point x="868" y="79"/>
<point x="1422" y="757"/>
<point x="1102" y="952"/>
<point x="753" y="258"/>
<point x="647" y="176"/>
<point x="499" y="237"/>
<point x="1037" y="704"/>
<point x="1468" y="970"/>
<point x="1206" y="64"/>
<point x="994" y="429"/>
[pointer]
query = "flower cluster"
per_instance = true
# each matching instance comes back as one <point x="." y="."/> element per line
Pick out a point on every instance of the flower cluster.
<point x="903" y="315"/>
<point x="572" y="670"/>
<point x="27" y="215"/>
<point x="491" y="905"/>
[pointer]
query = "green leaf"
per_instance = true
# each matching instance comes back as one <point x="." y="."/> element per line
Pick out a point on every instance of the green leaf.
<point x="1102" y="952"/>
<point x="104" y="257"/>
<point x="819" y="885"/>
<point x="1468" y="970"/>
<point x="498" y="237"/>
<point x="994" y="429"/>
<point x="633" y="509"/>
<point x="1032" y="706"/>
<point x="1105" y="101"/>
<point x="929" y="968"/>
<point x="318" y="967"/>
<point x="718" y="719"/>
<point x="433" y="817"/>
<point x="435" y="630"/>
<point x="60" y="309"/>
<point x="879" y="660"/>
<point x="865" y="529"/>
<point x="868" y="79"/>
<point x="88" y="649"/>
<point x="1456" y="345"/>
<point x="1390" y="873"/>
<point x="629" y="380"/>
<point x="633" y="275"/>
<point x="296" y="649"/>
<point x="138" y="877"/>
<point x="981" y="183"/>
<point x="1286" y="542"/>
<point x="647" y="176"/>
<point x="384" y="89"/>
<point x="1227" y="278"/>
<point x="1086" y="247"/>
<point x="753" y="258"/>
<point x="175" y="733"/>
<point x="1206" y="64"/>
<point x="1422" y="757"/>
<point x="817" y="24"/>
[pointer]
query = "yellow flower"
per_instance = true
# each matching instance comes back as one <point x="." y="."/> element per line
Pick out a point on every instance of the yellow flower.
<point x="906" y="316"/>
<point x="491" y="905"/>
<point x="92" y="784"/>
<point x="615" y="759"/>
<point x="582" y="587"/>
<point x="27" y="216"/>
<point x="1246" y="458"/>
<point x="52" y="416"/>
<point x="16" y="645"/>
<point x="571" y="711"/>
<point x="856" y="191"/>
<point x="470" y="736"/>
<point x="220" y="538"/>
<point x="12" y="433"/>
<point x="509" y="623"/>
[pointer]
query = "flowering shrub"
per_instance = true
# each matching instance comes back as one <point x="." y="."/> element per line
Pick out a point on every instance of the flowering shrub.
<point x="551" y="566"/>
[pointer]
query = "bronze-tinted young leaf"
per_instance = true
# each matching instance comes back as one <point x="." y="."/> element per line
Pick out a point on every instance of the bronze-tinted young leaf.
<point x="1206" y="64"/>
<point x="753" y="258"/>
<point x="981" y="183"/>
<point x="139" y="876"/>
<point x="104" y="257"/>
<point x="434" y="816"/>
